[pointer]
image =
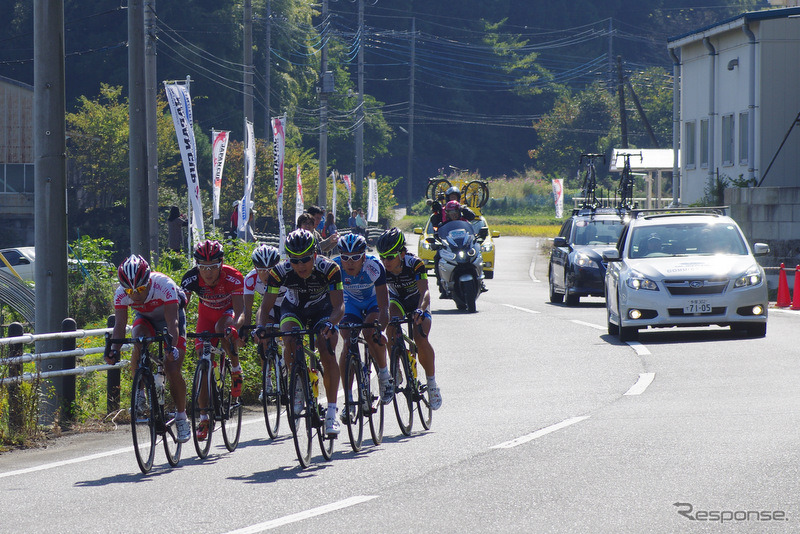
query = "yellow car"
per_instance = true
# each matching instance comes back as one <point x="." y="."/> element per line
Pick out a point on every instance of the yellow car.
<point x="426" y="253"/>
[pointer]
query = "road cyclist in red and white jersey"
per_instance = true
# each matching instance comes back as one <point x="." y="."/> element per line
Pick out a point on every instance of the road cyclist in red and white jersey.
<point x="264" y="258"/>
<point x="158" y="303"/>
<point x="219" y="288"/>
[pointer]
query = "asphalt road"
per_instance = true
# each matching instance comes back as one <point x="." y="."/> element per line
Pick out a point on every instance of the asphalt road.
<point x="548" y="425"/>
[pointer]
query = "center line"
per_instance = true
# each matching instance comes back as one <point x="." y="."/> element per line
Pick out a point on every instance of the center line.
<point x="645" y="379"/>
<point x="521" y="309"/>
<point x="300" y="516"/>
<point x="590" y="325"/>
<point x="539" y="433"/>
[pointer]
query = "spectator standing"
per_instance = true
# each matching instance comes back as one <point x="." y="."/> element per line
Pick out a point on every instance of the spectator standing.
<point x="175" y="223"/>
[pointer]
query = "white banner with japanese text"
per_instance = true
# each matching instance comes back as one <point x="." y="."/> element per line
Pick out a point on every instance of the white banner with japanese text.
<point x="219" y="147"/>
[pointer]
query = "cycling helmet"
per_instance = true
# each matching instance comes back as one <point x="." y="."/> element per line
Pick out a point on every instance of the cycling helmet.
<point x="453" y="191"/>
<point x="391" y="242"/>
<point x="208" y="251"/>
<point x="265" y="256"/>
<point x="300" y="243"/>
<point x="453" y="205"/>
<point x="352" y="243"/>
<point x="133" y="272"/>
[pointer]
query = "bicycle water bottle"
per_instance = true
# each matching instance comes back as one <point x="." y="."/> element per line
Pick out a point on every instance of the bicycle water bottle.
<point x="159" y="379"/>
<point x="313" y="378"/>
<point x="413" y="362"/>
<point x="217" y="378"/>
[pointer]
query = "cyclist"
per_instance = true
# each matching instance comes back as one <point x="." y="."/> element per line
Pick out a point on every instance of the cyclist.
<point x="313" y="299"/>
<point x="264" y="258"/>
<point x="219" y="288"/>
<point x="407" y="279"/>
<point x="366" y="300"/>
<point x="157" y="303"/>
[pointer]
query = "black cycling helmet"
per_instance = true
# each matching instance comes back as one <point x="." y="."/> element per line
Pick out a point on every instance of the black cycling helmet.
<point x="300" y="243"/>
<point x="265" y="256"/>
<point x="391" y="241"/>
<point x="453" y="191"/>
<point x="352" y="244"/>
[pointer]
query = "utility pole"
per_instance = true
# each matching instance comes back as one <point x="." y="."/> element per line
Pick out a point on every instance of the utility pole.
<point x="248" y="63"/>
<point x="623" y="116"/>
<point x="322" y="195"/>
<point x="151" y="88"/>
<point x="360" y="107"/>
<point x="137" y="133"/>
<point x="50" y="185"/>
<point x="267" y="68"/>
<point x="409" y="188"/>
<point x="610" y="55"/>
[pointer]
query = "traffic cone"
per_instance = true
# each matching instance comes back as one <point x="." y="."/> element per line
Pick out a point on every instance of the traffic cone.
<point x="796" y="290"/>
<point x="784" y="299"/>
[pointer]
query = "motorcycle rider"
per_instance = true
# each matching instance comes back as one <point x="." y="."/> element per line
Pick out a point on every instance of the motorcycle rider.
<point x="453" y="211"/>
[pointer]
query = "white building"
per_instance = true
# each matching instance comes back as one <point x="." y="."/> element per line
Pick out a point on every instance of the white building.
<point x="739" y="87"/>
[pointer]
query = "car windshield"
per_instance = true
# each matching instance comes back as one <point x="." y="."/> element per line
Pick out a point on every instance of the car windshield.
<point x="688" y="239"/>
<point x="596" y="232"/>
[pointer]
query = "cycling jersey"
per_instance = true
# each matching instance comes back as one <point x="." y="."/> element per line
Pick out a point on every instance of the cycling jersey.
<point x="404" y="284"/>
<point x="360" y="297"/>
<point x="305" y="292"/>
<point x="218" y="297"/>
<point x="163" y="290"/>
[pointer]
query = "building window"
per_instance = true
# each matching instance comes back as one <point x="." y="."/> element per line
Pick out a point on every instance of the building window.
<point x="704" y="143"/>
<point x="16" y="178"/>
<point x="689" y="145"/>
<point x="727" y="139"/>
<point x="744" y="139"/>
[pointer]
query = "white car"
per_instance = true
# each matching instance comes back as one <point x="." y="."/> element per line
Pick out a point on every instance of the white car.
<point x="21" y="260"/>
<point x="684" y="269"/>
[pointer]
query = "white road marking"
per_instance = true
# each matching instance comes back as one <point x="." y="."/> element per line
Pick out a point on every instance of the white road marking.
<point x="640" y="349"/>
<point x="300" y="516"/>
<point x="645" y="379"/>
<point x="590" y="325"/>
<point x="539" y="433"/>
<point x="531" y="272"/>
<point x="521" y="309"/>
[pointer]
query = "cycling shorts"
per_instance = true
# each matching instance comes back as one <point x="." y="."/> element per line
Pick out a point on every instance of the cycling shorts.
<point x="153" y="326"/>
<point x="306" y="317"/>
<point x="408" y="305"/>
<point x="356" y="310"/>
<point x="207" y="319"/>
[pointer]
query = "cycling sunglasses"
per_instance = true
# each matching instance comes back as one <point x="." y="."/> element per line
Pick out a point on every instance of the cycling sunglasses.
<point x="352" y="257"/>
<point x="390" y="256"/>
<point x="209" y="267"/>
<point x="132" y="290"/>
<point x="304" y="259"/>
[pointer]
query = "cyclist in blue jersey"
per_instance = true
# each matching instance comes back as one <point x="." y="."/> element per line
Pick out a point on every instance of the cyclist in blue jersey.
<point x="366" y="300"/>
<point x="407" y="279"/>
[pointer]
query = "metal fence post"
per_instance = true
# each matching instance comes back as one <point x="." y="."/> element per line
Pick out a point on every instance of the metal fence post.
<point x="16" y="415"/>
<point x="112" y="379"/>
<point x="68" y="384"/>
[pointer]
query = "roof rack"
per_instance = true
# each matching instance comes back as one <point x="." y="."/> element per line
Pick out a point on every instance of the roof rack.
<point x="709" y="210"/>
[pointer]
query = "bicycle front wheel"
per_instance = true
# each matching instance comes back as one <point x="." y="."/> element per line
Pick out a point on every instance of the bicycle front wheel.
<point x="300" y="414"/>
<point x="143" y="419"/>
<point x="353" y="411"/>
<point x="373" y="396"/>
<point x="231" y="412"/>
<point x="172" y="447"/>
<point x="271" y="392"/>
<point x="202" y="446"/>
<point x="423" y="404"/>
<point x="403" y="389"/>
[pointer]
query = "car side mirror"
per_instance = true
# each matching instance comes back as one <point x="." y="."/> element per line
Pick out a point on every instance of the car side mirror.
<point x="495" y="233"/>
<point x="611" y="255"/>
<point x="560" y="241"/>
<point x="418" y="230"/>
<point x="24" y="261"/>
<point x="760" y="249"/>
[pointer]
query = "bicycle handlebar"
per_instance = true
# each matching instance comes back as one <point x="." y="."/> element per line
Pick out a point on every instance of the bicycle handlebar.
<point x="407" y="319"/>
<point x="376" y="326"/>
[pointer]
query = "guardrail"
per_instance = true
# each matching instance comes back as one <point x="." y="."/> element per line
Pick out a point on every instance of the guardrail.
<point x="65" y="370"/>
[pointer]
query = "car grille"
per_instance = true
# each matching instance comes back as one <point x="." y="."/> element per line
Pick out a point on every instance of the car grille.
<point x="696" y="287"/>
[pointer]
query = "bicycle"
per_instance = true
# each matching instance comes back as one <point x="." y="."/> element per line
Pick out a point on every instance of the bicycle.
<point x="219" y="403"/>
<point x="274" y="377"/>
<point x="306" y="416"/>
<point x="361" y="389"/>
<point x="626" y="180"/>
<point x="590" y="179"/>
<point x="148" y="415"/>
<point x="408" y="390"/>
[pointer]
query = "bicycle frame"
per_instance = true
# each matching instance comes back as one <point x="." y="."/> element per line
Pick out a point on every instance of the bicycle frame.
<point x="368" y="404"/>
<point x="404" y="365"/>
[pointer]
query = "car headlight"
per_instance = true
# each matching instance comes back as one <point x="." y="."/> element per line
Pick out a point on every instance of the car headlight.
<point x="751" y="278"/>
<point x="487" y="247"/>
<point x="637" y="281"/>
<point x="582" y="260"/>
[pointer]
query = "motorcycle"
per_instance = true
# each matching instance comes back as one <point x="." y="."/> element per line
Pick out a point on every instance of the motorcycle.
<point x="460" y="265"/>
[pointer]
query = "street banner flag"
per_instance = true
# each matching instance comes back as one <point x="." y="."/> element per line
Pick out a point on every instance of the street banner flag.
<point x="558" y="195"/>
<point x="333" y="195"/>
<point x="372" y="207"/>
<point x="249" y="176"/>
<point x="219" y="146"/>
<point x="299" y="205"/>
<point x="278" y="151"/>
<point x="180" y="105"/>
<point x="349" y="186"/>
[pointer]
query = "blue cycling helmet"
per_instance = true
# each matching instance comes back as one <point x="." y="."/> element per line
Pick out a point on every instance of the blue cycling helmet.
<point x="352" y="244"/>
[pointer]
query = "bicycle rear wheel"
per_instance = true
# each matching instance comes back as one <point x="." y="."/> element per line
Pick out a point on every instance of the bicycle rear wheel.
<point x="143" y="419"/>
<point x="436" y="188"/>
<point x="231" y="412"/>
<point x="353" y="411"/>
<point x="373" y="394"/>
<point x="424" y="405"/>
<point x="172" y="447"/>
<point x="300" y="414"/>
<point x="271" y="392"/>
<point x="403" y="390"/>
<point x="201" y="378"/>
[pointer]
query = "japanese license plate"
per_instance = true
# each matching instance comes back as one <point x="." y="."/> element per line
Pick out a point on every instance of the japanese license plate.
<point x="697" y="306"/>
